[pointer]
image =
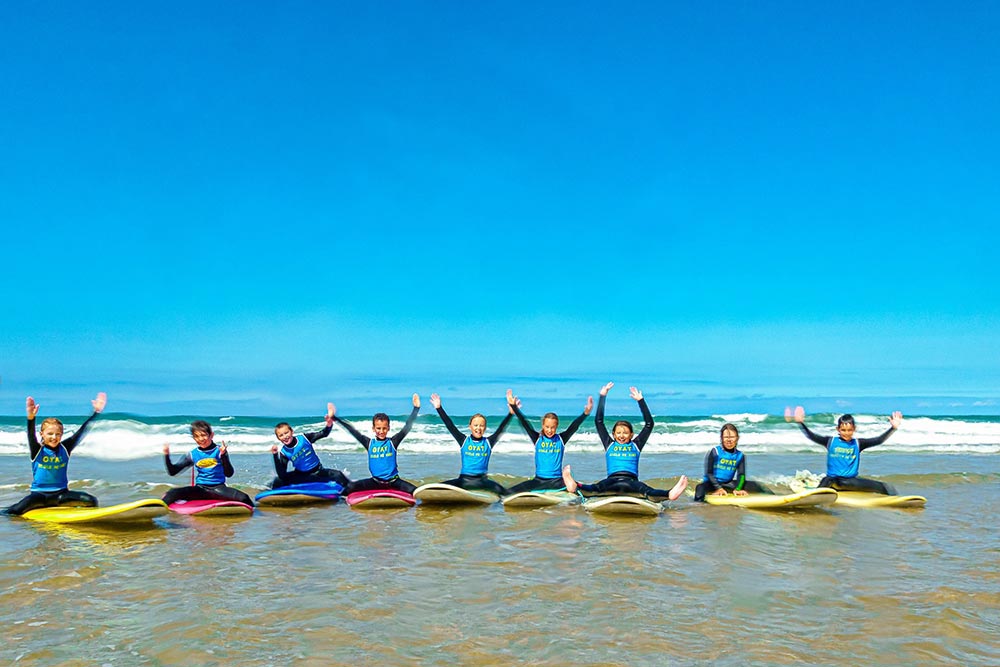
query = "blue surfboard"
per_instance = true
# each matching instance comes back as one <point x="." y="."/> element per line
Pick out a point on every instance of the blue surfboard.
<point x="301" y="494"/>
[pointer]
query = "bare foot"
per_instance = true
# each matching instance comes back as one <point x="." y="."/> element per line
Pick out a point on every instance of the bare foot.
<point x="675" y="492"/>
<point x="568" y="479"/>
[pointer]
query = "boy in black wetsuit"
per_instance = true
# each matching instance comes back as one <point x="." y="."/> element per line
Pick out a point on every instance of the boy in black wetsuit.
<point x="381" y="452"/>
<point x="843" y="452"/>
<point x="211" y="467"/>
<point x="298" y="450"/>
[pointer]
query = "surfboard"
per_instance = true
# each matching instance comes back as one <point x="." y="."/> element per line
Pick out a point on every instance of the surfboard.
<point x="380" y="499"/>
<point x="763" y="501"/>
<point x="446" y="494"/>
<point x="138" y="511"/>
<point x="528" y="499"/>
<point x="862" y="499"/>
<point x="300" y="494"/>
<point x="622" y="505"/>
<point x="211" y="507"/>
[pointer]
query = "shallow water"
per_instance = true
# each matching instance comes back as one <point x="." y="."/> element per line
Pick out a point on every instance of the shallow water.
<point x="329" y="585"/>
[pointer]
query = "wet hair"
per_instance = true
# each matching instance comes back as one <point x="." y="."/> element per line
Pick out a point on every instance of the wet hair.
<point x="728" y="427"/>
<point x="550" y="415"/>
<point x="626" y="424"/>
<point x="478" y="414"/>
<point x="380" y="417"/>
<point x="50" y="421"/>
<point x="845" y="419"/>
<point x="277" y="426"/>
<point x="201" y="425"/>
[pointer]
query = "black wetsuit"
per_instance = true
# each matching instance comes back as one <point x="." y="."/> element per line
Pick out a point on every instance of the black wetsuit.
<point x="318" y="474"/>
<point x="737" y="483"/>
<point x="852" y="483"/>
<point x="203" y="491"/>
<point x="623" y="483"/>
<point x="36" y="499"/>
<point x="377" y="483"/>
<point x="473" y="482"/>
<point x="537" y="483"/>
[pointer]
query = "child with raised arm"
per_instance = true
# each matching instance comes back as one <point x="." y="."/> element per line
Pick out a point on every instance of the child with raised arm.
<point x="549" y="447"/>
<point x="476" y="449"/>
<point x="298" y="450"/>
<point x="210" y="467"/>
<point x="621" y="453"/>
<point x="726" y="469"/>
<point x="50" y="460"/>
<point x="843" y="452"/>
<point x="381" y="452"/>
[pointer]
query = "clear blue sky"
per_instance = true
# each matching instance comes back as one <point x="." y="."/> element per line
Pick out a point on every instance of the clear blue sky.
<point x="257" y="207"/>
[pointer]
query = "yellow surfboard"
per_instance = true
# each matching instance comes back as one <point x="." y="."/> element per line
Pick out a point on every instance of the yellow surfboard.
<point x="764" y="501"/>
<point x="140" y="510"/>
<point x="862" y="499"/>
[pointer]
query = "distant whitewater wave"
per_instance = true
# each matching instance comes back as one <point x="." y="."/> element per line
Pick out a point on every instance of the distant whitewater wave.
<point x="122" y="437"/>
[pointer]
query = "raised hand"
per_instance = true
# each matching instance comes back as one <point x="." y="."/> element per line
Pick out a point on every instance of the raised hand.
<point x="799" y="415"/>
<point x="274" y="449"/>
<point x="896" y="419"/>
<point x="635" y="393"/>
<point x="222" y="449"/>
<point x="436" y="401"/>
<point x="510" y="398"/>
<point x="31" y="407"/>
<point x="100" y="402"/>
<point x="416" y="400"/>
<point x="330" y="412"/>
<point x="166" y="449"/>
<point x="589" y="406"/>
<point x="606" y="388"/>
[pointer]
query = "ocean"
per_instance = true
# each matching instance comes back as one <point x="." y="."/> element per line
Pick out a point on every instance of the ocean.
<point x="328" y="585"/>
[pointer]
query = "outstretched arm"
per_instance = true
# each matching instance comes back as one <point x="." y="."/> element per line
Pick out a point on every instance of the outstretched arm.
<point x="495" y="436"/>
<point x="515" y="405"/>
<point x="398" y="438"/>
<point x="799" y="416"/>
<point x="602" y="430"/>
<point x="174" y="468"/>
<point x="894" y="421"/>
<point x="332" y="415"/>
<point x="31" y="408"/>
<point x="647" y="416"/>
<point x="446" y="420"/>
<point x="98" y="404"/>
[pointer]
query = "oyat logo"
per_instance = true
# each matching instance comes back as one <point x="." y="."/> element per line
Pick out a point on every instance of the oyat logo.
<point x="207" y="463"/>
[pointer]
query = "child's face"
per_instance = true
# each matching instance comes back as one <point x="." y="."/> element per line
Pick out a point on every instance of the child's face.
<point x="478" y="427"/>
<point x="202" y="438"/>
<point x="381" y="428"/>
<point x="846" y="432"/>
<point x="729" y="440"/>
<point x="622" y="434"/>
<point x="52" y="435"/>
<point x="549" y="427"/>
<point x="285" y="435"/>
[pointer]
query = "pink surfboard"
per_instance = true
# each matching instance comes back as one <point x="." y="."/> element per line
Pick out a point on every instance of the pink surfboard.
<point x="380" y="499"/>
<point x="211" y="507"/>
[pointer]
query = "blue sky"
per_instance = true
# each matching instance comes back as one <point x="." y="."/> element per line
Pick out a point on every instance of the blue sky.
<point x="259" y="208"/>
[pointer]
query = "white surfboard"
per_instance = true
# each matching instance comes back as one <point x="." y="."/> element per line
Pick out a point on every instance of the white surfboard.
<point x="622" y="505"/>
<point x="528" y="499"/>
<point x="446" y="494"/>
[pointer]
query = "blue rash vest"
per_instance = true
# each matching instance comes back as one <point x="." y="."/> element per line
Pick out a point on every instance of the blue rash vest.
<point x="475" y="456"/>
<point x="208" y="466"/>
<point x="49" y="470"/>
<point x="301" y="454"/>
<point x="842" y="458"/>
<point x="549" y="456"/>
<point x="622" y="458"/>
<point x="382" y="459"/>
<point x="726" y="464"/>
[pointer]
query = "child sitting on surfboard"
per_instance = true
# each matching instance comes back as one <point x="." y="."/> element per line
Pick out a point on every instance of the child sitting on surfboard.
<point x="549" y="447"/>
<point x="476" y="449"/>
<point x="50" y="460"/>
<point x="843" y="452"/>
<point x="381" y="452"/>
<point x="210" y="467"/>
<point x="725" y="469"/>
<point x="621" y="452"/>
<point x="298" y="450"/>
